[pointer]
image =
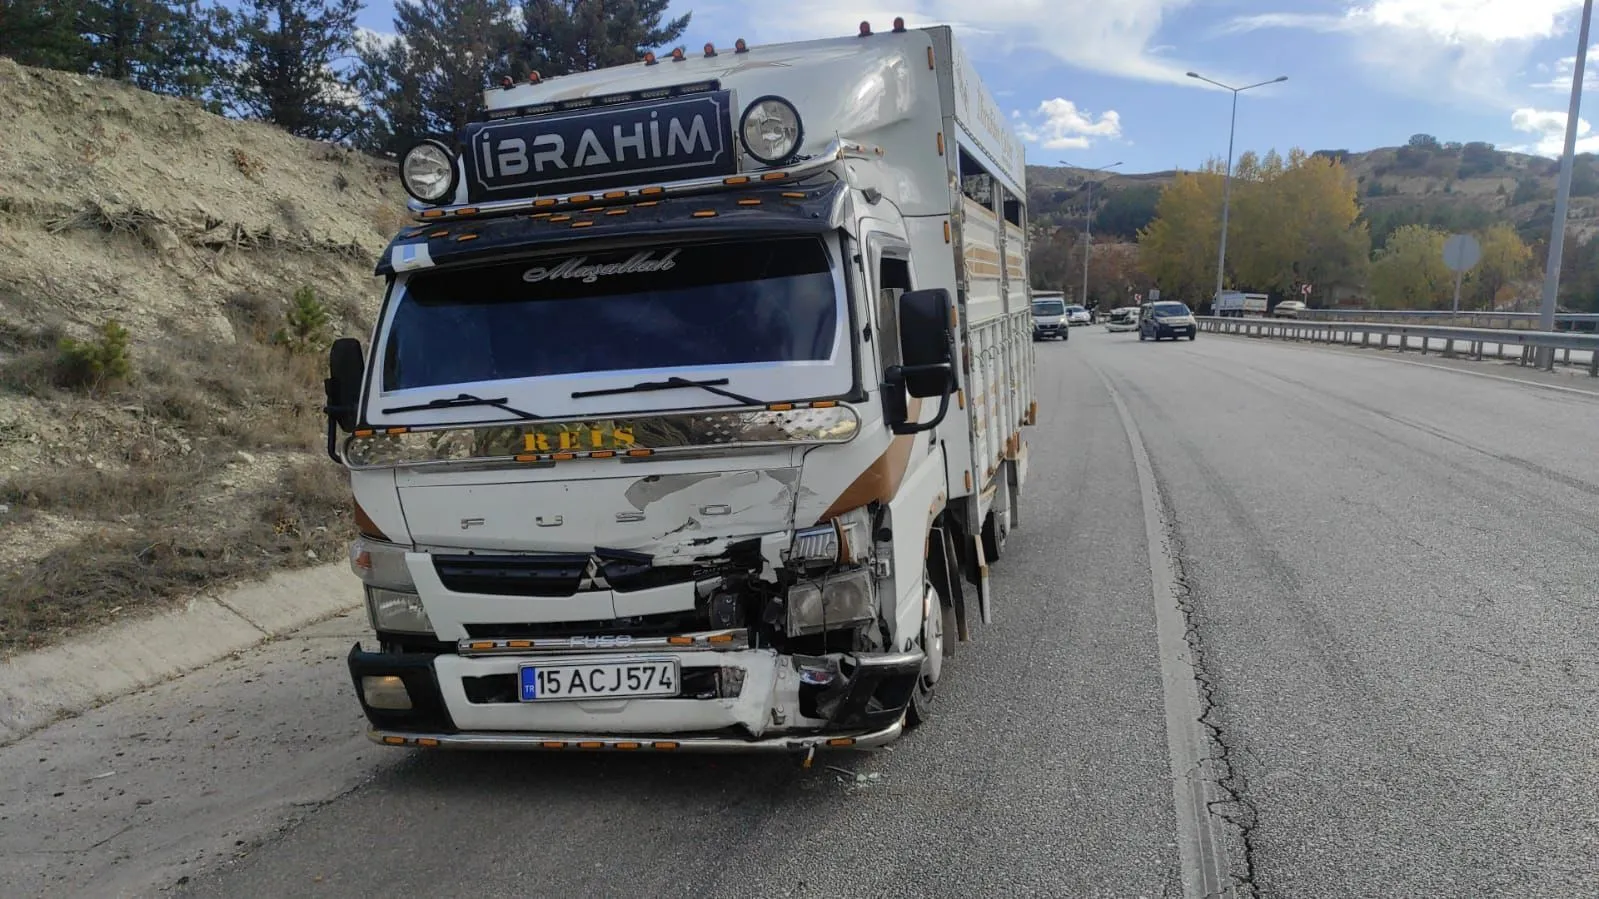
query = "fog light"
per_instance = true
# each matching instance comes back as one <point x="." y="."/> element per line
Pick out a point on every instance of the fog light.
<point x="730" y="682"/>
<point x="385" y="692"/>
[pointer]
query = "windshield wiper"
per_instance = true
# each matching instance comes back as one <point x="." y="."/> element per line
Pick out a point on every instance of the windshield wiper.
<point x="671" y="384"/>
<point x="466" y="399"/>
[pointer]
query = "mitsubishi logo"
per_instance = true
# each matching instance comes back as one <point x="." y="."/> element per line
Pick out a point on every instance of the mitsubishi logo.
<point x="593" y="576"/>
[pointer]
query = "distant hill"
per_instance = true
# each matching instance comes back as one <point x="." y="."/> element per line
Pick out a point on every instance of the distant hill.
<point x="1448" y="185"/>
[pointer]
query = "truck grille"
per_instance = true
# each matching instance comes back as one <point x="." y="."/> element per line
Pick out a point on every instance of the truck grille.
<point x="553" y="574"/>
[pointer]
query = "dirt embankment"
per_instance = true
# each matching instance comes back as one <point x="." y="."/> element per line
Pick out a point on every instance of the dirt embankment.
<point x="136" y="468"/>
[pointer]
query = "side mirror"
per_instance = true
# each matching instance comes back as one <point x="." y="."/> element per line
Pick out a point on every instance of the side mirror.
<point x="927" y="342"/>
<point x="342" y="389"/>
<point x="927" y="346"/>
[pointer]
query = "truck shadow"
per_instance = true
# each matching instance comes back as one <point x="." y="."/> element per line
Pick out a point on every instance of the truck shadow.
<point x="588" y="776"/>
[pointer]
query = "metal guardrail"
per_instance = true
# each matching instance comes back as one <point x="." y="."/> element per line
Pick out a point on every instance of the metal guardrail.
<point x="1423" y="338"/>
<point x="1565" y="321"/>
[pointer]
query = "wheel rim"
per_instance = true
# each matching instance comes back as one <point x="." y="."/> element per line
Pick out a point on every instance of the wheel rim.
<point x="932" y="643"/>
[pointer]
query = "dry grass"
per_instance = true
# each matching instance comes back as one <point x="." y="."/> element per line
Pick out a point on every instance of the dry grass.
<point x="297" y="520"/>
<point x="212" y="476"/>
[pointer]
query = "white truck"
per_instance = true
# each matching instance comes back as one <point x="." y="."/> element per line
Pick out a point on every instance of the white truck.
<point x="693" y="413"/>
<point x="1236" y="304"/>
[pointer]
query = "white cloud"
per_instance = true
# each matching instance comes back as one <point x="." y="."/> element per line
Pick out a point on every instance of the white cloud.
<point x="1116" y="38"/>
<point x="1548" y="126"/>
<point x="1059" y="125"/>
<point x="1560" y="73"/>
<point x="1469" y="51"/>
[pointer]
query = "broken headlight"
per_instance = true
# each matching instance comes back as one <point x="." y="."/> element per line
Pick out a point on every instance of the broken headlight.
<point x="846" y="540"/>
<point x="831" y="602"/>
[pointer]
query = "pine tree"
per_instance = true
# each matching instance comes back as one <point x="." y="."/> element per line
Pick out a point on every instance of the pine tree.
<point x="42" y="33"/>
<point x="429" y="81"/>
<point x="565" y="36"/>
<point x="281" y="65"/>
<point x="164" y="46"/>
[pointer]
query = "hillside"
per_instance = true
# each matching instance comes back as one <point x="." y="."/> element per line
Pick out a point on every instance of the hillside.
<point x="1448" y="185"/>
<point x="194" y="455"/>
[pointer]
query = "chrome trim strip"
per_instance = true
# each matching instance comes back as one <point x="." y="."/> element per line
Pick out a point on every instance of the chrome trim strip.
<point x="835" y="150"/>
<point x="729" y="640"/>
<point x="623" y="743"/>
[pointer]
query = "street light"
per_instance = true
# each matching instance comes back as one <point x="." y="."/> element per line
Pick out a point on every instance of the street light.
<point x="1227" y="178"/>
<point x="1557" y="236"/>
<point x="1088" y="217"/>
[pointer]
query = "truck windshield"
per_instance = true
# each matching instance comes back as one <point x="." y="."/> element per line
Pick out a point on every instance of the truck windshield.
<point x="695" y="305"/>
<point x="1049" y="307"/>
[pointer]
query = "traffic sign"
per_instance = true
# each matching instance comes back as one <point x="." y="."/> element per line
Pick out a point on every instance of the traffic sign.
<point x="1138" y="298"/>
<point x="1462" y="253"/>
<point x="1305" y="290"/>
<point x="1154" y="294"/>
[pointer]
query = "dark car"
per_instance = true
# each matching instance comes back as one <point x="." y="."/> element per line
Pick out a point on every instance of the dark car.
<point x="1167" y="318"/>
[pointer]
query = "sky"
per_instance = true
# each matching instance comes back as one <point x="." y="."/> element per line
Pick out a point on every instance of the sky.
<point x="1096" y="82"/>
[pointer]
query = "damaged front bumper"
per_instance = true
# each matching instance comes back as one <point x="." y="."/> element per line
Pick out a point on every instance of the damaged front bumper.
<point x="737" y="700"/>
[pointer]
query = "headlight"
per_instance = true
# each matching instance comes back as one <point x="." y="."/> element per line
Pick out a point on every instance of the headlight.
<point x="846" y="539"/>
<point x="771" y="129"/>
<point x="830" y="602"/>
<point x="393" y="611"/>
<point x="427" y="171"/>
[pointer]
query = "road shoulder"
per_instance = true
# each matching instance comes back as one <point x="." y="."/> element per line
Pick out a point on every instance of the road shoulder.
<point x="43" y="686"/>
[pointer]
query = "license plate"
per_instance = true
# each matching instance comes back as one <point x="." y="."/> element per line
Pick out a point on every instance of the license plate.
<point x="599" y="680"/>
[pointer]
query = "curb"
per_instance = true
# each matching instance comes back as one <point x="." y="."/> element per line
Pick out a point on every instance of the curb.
<point x="40" y="687"/>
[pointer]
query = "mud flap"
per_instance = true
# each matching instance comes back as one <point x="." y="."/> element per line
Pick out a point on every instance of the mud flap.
<point x="984" y="597"/>
<point x="944" y="562"/>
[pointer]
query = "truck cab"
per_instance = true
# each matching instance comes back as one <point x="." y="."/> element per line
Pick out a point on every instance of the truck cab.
<point x="692" y="416"/>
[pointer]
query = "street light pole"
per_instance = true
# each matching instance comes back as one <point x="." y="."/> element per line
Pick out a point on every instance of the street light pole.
<point x="1088" y="217"/>
<point x="1227" y="176"/>
<point x="1557" y="235"/>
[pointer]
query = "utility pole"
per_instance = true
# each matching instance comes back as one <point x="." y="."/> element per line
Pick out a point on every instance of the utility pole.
<point x="1227" y="177"/>
<point x="1088" y="217"/>
<point x="1557" y="236"/>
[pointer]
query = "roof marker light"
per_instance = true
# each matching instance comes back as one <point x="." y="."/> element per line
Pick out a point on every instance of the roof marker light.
<point x="740" y="47"/>
<point x="649" y="57"/>
<point x="899" y="24"/>
<point x="710" y="49"/>
<point x="866" y="29"/>
<point x="677" y="55"/>
<point x="506" y="82"/>
<point x="534" y="78"/>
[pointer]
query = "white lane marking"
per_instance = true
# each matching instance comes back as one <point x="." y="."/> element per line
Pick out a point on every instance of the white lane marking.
<point x="1201" y="849"/>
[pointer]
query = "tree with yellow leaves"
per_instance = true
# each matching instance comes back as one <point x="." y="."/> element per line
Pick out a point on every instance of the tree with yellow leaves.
<point x="1294" y="221"/>
<point x="1410" y="273"/>
<point x="1179" y="247"/>
<point x="1505" y="260"/>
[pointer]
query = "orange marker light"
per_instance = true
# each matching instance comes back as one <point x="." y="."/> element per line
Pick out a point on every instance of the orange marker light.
<point x="866" y="29"/>
<point x="740" y="47"/>
<point x="899" y="24"/>
<point x="649" y="57"/>
<point x="533" y="78"/>
<point x="710" y="49"/>
<point x="677" y="55"/>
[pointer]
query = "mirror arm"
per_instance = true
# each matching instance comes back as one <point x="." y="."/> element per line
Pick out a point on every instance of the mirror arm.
<point x="330" y="390"/>
<point x="894" y="380"/>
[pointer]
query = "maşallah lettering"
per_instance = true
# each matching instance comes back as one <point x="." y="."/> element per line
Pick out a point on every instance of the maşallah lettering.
<point x="574" y="268"/>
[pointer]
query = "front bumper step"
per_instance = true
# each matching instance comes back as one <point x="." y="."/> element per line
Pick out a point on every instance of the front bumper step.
<point x="793" y="743"/>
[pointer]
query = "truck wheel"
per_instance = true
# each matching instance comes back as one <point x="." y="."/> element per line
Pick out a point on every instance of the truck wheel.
<point x="1194" y="336"/>
<point x="1141" y="335"/>
<point x="936" y="623"/>
<point x="995" y="534"/>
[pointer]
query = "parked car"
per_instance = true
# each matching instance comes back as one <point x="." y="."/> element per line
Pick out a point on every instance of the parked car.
<point x="1123" y="319"/>
<point x="1049" y="319"/>
<point x="1288" y="309"/>
<point x="1079" y="315"/>
<point x="1167" y="318"/>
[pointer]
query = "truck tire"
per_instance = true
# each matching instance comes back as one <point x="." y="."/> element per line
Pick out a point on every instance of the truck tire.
<point x="937" y="627"/>
<point x="995" y="536"/>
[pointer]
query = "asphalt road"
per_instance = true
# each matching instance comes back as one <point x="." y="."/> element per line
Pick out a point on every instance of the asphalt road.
<point x="1392" y="601"/>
